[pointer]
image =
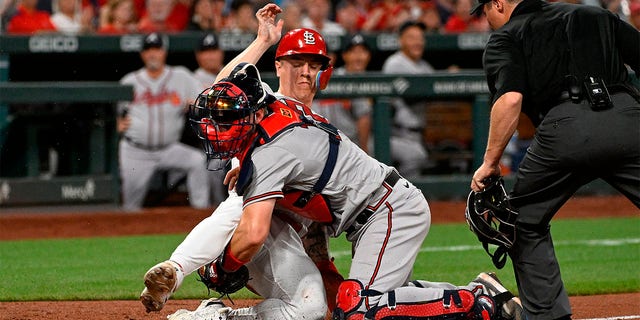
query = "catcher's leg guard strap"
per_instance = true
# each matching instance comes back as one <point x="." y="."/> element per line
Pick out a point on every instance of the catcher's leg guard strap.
<point x="454" y="305"/>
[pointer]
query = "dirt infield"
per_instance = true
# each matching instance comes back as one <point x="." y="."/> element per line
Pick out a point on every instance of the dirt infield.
<point x="78" y="223"/>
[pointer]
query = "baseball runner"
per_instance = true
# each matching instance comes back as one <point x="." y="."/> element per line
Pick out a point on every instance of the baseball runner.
<point x="151" y="126"/>
<point x="298" y="45"/>
<point x="566" y="67"/>
<point x="192" y="254"/>
<point x="294" y="161"/>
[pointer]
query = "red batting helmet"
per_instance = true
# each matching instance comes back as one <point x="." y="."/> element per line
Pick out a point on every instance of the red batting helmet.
<point x="303" y="41"/>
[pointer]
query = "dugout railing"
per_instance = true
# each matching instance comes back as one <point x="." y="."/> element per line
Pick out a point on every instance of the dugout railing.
<point x="102" y="187"/>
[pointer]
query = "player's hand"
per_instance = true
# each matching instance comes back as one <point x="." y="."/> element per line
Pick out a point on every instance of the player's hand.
<point x="123" y="123"/>
<point x="232" y="177"/>
<point x="269" y="30"/>
<point x="486" y="170"/>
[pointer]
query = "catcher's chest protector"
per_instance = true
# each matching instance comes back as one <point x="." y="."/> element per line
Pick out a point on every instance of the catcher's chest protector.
<point x="286" y="114"/>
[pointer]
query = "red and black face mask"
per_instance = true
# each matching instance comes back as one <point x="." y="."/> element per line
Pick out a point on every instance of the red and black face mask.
<point x="223" y="119"/>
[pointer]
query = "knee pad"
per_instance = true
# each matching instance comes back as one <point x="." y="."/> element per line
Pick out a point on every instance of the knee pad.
<point x="351" y="294"/>
<point x="348" y="298"/>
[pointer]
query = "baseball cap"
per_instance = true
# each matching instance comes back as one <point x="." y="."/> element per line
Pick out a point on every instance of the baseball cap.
<point x="152" y="40"/>
<point x="356" y="40"/>
<point x="411" y="23"/>
<point x="477" y="9"/>
<point x="208" y="41"/>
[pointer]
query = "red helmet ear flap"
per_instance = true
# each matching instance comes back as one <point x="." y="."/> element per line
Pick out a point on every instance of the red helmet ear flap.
<point x="323" y="76"/>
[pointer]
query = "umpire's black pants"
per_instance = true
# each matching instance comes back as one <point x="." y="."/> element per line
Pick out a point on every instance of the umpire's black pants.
<point x="573" y="146"/>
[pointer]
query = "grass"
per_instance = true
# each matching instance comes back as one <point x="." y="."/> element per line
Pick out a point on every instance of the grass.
<point x="596" y="256"/>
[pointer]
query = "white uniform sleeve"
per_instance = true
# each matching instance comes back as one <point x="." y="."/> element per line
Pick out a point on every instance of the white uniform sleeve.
<point x="208" y="239"/>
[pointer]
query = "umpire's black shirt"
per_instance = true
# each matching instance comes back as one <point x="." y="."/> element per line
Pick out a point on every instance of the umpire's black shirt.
<point x="544" y="42"/>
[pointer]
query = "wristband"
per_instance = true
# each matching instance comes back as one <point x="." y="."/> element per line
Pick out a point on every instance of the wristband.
<point x="230" y="263"/>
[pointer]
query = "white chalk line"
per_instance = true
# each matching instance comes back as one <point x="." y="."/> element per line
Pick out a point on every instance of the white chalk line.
<point x="590" y="242"/>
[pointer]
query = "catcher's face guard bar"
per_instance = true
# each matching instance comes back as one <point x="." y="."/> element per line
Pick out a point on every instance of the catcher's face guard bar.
<point x="492" y="219"/>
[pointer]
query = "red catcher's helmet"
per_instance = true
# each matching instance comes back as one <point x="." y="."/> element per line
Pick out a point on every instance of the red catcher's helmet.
<point x="303" y="41"/>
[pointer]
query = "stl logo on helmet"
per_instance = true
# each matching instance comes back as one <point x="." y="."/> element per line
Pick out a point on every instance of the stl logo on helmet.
<point x="309" y="38"/>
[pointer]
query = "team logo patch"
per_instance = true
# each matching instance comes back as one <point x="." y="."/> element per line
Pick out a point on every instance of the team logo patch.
<point x="286" y="113"/>
<point x="309" y="38"/>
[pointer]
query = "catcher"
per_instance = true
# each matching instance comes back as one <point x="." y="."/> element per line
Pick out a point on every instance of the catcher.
<point x="279" y="142"/>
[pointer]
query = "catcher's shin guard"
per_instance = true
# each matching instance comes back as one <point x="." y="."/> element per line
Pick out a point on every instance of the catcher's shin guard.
<point x="454" y="305"/>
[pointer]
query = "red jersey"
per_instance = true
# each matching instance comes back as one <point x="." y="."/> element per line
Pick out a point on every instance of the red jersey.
<point x="28" y="21"/>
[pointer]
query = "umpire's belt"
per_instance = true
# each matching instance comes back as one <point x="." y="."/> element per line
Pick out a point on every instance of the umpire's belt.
<point x="143" y="146"/>
<point x="364" y="216"/>
<point x="612" y="89"/>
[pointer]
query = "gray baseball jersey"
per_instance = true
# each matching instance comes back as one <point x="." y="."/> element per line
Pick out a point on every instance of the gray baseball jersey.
<point x="206" y="78"/>
<point x="295" y="160"/>
<point x="158" y="108"/>
<point x="387" y="236"/>
<point x="151" y="142"/>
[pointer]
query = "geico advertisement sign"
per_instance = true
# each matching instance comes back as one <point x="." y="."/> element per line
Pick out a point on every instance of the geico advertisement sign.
<point x="53" y="44"/>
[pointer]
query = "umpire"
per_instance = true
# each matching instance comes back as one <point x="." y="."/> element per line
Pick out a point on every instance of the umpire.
<point x="563" y="65"/>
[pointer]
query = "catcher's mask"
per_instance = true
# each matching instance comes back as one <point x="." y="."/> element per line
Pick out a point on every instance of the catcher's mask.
<point x="492" y="218"/>
<point x="223" y="116"/>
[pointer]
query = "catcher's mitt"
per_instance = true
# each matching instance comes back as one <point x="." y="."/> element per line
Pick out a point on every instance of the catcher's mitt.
<point x="216" y="279"/>
<point x="492" y="218"/>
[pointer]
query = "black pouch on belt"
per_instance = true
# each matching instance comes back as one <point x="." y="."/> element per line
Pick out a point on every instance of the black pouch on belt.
<point x="597" y="93"/>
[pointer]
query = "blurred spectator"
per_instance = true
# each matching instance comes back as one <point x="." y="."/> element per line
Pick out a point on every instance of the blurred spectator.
<point x="385" y="16"/>
<point x="7" y="10"/>
<point x="348" y="17"/>
<point x="70" y="16"/>
<point x="220" y="16"/>
<point x="351" y="116"/>
<point x="118" y="17"/>
<point x="157" y="19"/>
<point x="409" y="116"/>
<point x="181" y="13"/>
<point x="634" y="13"/>
<point x="445" y="9"/>
<point x="151" y="128"/>
<point x="318" y="18"/>
<point x="292" y="16"/>
<point x="210" y="60"/>
<point x="430" y="17"/>
<point x="414" y="9"/>
<point x="242" y="17"/>
<point x="461" y="21"/>
<point x="202" y="16"/>
<point x="352" y="14"/>
<point x="29" y="20"/>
